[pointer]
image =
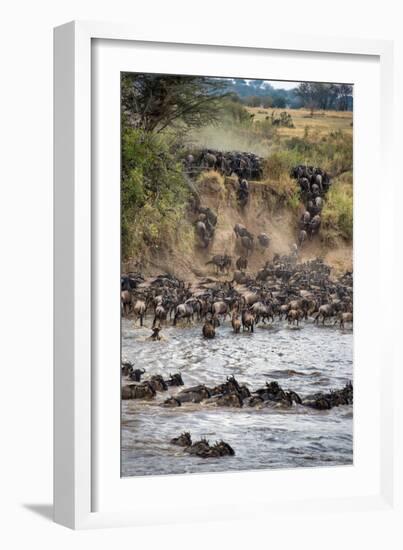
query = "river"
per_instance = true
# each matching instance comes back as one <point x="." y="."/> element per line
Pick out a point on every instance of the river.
<point x="306" y="360"/>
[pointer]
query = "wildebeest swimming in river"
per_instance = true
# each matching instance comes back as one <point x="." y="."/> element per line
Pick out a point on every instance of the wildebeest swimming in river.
<point x="155" y="336"/>
<point x="136" y="375"/>
<point x="184" y="440"/>
<point x="203" y="449"/>
<point x="194" y="394"/>
<point x="138" y="391"/>
<point x="175" y="380"/>
<point x="334" y="398"/>
<point x="127" y="368"/>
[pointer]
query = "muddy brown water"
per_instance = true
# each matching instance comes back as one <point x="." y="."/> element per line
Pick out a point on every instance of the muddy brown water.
<point x="306" y="360"/>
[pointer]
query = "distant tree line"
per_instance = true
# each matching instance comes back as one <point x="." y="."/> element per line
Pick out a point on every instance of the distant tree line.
<point x="310" y="95"/>
<point x="316" y="95"/>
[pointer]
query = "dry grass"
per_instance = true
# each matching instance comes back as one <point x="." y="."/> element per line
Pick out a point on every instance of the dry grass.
<point x="211" y="182"/>
<point x="322" y="122"/>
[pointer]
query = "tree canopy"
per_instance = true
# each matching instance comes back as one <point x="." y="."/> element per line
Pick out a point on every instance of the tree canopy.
<point x="153" y="102"/>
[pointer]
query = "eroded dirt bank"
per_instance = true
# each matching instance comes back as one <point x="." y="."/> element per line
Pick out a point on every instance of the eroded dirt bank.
<point x="266" y="212"/>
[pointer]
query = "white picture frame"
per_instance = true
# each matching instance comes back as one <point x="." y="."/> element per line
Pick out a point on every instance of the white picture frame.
<point x="81" y="426"/>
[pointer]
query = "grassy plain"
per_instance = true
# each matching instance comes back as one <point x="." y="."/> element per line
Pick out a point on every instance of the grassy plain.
<point x="322" y="122"/>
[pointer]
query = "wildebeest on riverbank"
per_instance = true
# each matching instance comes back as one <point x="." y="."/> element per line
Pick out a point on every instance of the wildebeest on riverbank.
<point x="281" y="289"/>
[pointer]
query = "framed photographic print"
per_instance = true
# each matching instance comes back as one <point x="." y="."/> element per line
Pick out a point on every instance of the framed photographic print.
<point x="215" y="244"/>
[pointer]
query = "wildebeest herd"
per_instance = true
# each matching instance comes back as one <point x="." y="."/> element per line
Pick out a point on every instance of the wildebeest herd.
<point x="243" y="164"/>
<point x="283" y="288"/>
<point x="228" y="394"/>
<point x="314" y="183"/>
<point x="205" y="225"/>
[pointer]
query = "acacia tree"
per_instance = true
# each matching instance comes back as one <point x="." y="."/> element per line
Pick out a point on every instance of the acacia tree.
<point x="154" y="102"/>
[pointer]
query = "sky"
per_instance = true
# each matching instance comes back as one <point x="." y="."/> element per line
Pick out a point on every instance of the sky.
<point x="282" y="84"/>
<point x="285" y="84"/>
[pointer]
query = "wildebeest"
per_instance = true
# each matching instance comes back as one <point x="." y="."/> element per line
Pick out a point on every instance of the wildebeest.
<point x="249" y="298"/>
<point x="208" y="329"/>
<point x="314" y="225"/>
<point x="220" y="308"/>
<point x="302" y="236"/>
<point x="248" y="244"/>
<point x="171" y="402"/>
<point x="263" y="240"/>
<point x="136" y="374"/>
<point x="160" y="315"/>
<point x="158" y="383"/>
<point x="346" y="317"/>
<point x="242" y="263"/>
<point x="334" y="398"/>
<point x="175" y="380"/>
<point x="184" y="440"/>
<point x="222" y="262"/>
<point x="144" y="390"/>
<point x="262" y="311"/>
<point x="126" y="301"/>
<point x="199" y="448"/>
<point x="239" y="277"/>
<point x="294" y="315"/>
<point x="325" y="311"/>
<point x="155" y="335"/>
<point x="241" y="231"/>
<point x="127" y="368"/>
<point x="231" y="399"/>
<point x="305" y="219"/>
<point x="236" y="323"/>
<point x="318" y="202"/>
<point x="139" y="310"/>
<point x="201" y="232"/>
<point x="194" y="394"/>
<point x="248" y="320"/>
<point x="184" y="311"/>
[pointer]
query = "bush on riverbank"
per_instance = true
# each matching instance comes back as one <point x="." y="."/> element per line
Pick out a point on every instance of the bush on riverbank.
<point x="154" y="192"/>
<point x="337" y="214"/>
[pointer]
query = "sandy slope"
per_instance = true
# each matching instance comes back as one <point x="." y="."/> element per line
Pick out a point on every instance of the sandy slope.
<point x="263" y="214"/>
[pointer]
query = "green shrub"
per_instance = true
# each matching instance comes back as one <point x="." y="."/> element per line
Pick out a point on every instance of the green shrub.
<point x="153" y="192"/>
<point x="337" y="214"/>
